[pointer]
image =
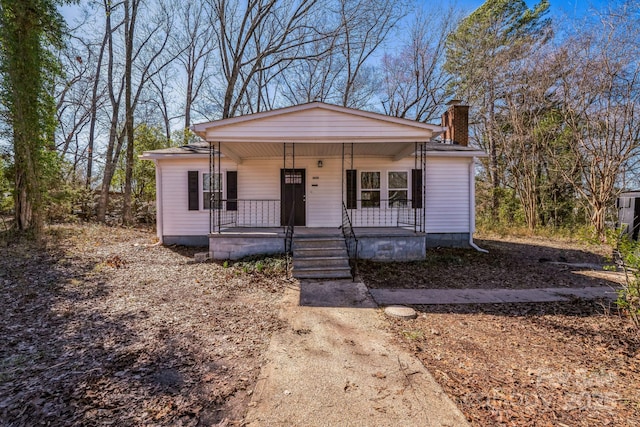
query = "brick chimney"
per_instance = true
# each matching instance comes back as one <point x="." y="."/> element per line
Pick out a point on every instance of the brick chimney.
<point x="456" y="120"/>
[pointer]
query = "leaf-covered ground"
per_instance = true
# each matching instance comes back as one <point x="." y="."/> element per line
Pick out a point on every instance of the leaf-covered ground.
<point x="510" y="263"/>
<point x="554" y="364"/>
<point x="100" y="326"/>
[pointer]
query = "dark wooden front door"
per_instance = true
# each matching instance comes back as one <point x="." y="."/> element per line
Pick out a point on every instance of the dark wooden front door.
<point x="292" y="191"/>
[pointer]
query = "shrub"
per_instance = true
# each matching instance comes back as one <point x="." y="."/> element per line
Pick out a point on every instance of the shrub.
<point x="627" y="253"/>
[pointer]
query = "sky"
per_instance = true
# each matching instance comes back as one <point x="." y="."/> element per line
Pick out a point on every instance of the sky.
<point x="570" y="8"/>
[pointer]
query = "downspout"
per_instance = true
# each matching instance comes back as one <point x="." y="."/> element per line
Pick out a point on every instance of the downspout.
<point x="472" y="206"/>
<point x="159" y="227"/>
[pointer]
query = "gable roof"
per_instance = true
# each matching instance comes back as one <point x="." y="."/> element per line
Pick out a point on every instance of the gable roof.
<point x="316" y="122"/>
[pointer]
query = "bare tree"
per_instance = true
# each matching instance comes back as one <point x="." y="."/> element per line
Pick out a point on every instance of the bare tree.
<point x="601" y="96"/>
<point x="114" y="91"/>
<point x="531" y="129"/>
<point x="149" y="59"/>
<point x="142" y="51"/>
<point x="316" y="77"/>
<point x="414" y="83"/>
<point x="365" y="24"/>
<point x="254" y="38"/>
<point x="73" y="100"/>
<point x="193" y="43"/>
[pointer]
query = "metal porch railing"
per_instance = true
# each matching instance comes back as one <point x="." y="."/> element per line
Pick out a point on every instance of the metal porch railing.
<point x="387" y="213"/>
<point x="245" y="213"/>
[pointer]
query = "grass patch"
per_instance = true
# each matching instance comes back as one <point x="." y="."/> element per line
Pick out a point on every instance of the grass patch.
<point x="263" y="265"/>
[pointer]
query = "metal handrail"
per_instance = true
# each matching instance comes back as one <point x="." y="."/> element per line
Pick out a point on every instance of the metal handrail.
<point x="288" y="236"/>
<point x="350" y="240"/>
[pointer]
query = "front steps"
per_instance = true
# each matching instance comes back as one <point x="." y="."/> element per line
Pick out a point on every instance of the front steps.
<point x="320" y="257"/>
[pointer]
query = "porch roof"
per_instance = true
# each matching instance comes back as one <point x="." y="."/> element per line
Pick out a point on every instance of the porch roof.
<point x="318" y="130"/>
<point x="242" y="151"/>
<point x="316" y="122"/>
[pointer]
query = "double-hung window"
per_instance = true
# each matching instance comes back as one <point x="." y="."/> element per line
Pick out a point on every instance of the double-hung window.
<point x="211" y="191"/>
<point x="370" y="189"/>
<point x="398" y="186"/>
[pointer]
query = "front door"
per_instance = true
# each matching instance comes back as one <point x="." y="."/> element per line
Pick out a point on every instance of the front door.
<point x="292" y="192"/>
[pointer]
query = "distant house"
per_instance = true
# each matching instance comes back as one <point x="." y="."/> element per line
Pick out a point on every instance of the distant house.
<point x="319" y="169"/>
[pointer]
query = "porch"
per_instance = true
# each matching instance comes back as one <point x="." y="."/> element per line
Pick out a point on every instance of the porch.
<point x="375" y="243"/>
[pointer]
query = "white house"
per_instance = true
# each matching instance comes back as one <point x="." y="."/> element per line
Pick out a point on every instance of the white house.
<point x="319" y="169"/>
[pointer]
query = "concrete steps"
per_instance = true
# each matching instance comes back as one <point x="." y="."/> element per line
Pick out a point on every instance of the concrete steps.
<point x="320" y="257"/>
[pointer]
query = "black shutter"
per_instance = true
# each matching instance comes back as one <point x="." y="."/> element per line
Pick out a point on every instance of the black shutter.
<point x="232" y="190"/>
<point x="352" y="189"/>
<point x="194" y="193"/>
<point x="416" y="188"/>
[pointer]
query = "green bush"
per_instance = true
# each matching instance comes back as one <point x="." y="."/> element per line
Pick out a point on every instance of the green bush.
<point x="627" y="253"/>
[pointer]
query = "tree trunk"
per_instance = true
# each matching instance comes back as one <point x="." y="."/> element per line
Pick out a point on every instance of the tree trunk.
<point x="129" y="29"/>
<point x="94" y="108"/>
<point x="113" y="151"/>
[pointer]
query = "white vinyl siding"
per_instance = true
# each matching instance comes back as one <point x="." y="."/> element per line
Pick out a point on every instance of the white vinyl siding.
<point x="447" y="191"/>
<point x="448" y="197"/>
<point x="177" y="220"/>
<point x="324" y="203"/>
<point x="259" y="181"/>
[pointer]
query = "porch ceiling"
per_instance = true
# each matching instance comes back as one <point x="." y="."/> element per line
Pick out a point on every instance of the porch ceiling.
<point x="259" y="150"/>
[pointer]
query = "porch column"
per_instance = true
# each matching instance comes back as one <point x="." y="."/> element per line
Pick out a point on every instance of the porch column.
<point x="214" y="214"/>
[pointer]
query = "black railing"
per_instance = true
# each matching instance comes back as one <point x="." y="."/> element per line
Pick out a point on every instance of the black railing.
<point x="288" y="236"/>
<point x="387" y="213"/>
<point x="245" y="213"/>
<point x="350" y="240"/>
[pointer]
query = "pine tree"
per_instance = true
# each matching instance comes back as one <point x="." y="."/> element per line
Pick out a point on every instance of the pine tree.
<point x="483" y="54"/>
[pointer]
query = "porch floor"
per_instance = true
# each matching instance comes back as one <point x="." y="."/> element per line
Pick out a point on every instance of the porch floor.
<point x="317" y="231"/>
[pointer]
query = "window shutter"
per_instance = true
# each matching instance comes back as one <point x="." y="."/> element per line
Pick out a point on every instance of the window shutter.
<point x="194" y="193"/>
<point x="352" y="189"/>
<point x="416" y="188"/>
<point x="232" y="190"/>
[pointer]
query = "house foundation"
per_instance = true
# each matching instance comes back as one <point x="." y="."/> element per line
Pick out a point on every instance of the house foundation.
<point x="448" y="240"/>
<point x="234" y="246"/>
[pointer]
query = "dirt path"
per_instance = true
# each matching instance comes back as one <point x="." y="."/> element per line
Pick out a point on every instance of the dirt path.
<point x="337" y="366"/>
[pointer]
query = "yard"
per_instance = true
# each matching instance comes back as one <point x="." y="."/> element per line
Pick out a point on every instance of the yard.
<point x="102" y="326"/>
<point x="552" y="364"/>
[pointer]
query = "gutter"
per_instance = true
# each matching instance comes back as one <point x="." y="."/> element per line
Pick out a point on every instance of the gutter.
<point x="472" y="206"/>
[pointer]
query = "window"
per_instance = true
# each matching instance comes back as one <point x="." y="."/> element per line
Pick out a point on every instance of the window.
<point x="370" y="189"/>
<point x="398" y="189"/>
<point x="215" y="194"/>
<point x="292" y="177"/>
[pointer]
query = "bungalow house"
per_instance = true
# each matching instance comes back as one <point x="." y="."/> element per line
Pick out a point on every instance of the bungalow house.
<point x="328" y="181"/>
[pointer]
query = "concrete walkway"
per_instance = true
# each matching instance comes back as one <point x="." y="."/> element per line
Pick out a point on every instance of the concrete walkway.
<point x="333" y="364"/>
<point x="487" y="296"/>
